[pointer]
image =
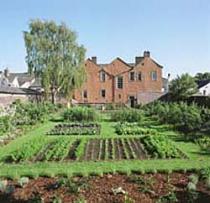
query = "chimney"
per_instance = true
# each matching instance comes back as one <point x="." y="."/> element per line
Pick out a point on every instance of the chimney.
<point x="137" y="59"/>
<point x="94" y="59"/>
<point x="6" y="72"/>
<point x="146" y="54"/>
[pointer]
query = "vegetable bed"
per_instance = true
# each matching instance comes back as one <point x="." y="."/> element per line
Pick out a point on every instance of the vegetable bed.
<point x="76" y="129"/>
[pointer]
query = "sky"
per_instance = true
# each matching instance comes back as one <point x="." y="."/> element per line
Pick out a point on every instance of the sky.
<point x="176" y="32"/>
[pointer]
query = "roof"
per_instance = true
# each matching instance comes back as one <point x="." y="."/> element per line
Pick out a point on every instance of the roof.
<point x="21" y="77"/>
<point x="15" y="90"/>
<point x="202" y="83"/>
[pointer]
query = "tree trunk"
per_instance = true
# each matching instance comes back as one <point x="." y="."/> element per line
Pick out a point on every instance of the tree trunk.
<point x="53" y="96"/>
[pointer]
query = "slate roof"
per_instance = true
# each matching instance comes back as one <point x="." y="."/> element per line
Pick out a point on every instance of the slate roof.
<point x="15" y="90"/>
<point x="22" y="77"/>
<point x="202" y="83"/>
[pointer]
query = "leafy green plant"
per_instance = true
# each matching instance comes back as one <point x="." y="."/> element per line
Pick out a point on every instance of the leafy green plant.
<point x="80" y="114"/>
<point x="133" y="129"/>
<point x="127" y="115"/>
<point x="23" y="181"/>
<point x="76" y="129"/>
<point x="161" y="147"/>
<point x="170" y="197"/>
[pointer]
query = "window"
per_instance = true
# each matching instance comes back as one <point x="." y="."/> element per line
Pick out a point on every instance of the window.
<point x="120" y="82"/>
<point x="154" y="75"/>
<point x="102" y="76"/>
<point x="139" y="76"/>
<point x="85" y="94"/>
<point x="103" y="93"/>
<point x="132" y="76"/>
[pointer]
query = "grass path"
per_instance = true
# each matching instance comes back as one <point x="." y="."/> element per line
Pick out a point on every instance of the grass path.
<point x="196" y="160"/>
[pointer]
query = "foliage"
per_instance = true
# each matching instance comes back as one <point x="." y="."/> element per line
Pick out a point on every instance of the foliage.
<point x="23" y="181"/>
<point x="6" y="124"/>
<point x="76" y="129"/>
<point x="161" y="147"/>
<point x="202" y="76"/>
<point x="73" y="186"/>
<point x="31" y="113"/>
<point x="204" y="143"/>
<point x="182" y="87"/>
<point x="170" y="197"/>
<point x="128" y="115"/>
<point x="58" y="150"/>
<point x="54" y="55"/>
<point x="80" y="114"/>
<point x="133" y="129"/>
<point x="186" y="118"/>
<point x="27" y="150"/>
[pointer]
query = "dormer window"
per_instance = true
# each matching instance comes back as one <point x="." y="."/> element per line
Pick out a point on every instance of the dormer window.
<point x="132" y="76"/>
<point x="102" y="76"/>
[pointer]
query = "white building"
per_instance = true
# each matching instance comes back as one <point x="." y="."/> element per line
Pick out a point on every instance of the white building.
<point x="204" y="87"/>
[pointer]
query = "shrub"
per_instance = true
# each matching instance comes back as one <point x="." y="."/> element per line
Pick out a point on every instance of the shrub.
<point x="186" y="118"/>
<point x="5" y="124"/>
<point x="80" y="114"/>
<point x="204" y="143"/>
<point x="127" y="115"/>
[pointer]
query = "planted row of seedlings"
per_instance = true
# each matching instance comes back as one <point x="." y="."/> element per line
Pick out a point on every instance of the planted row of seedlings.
<point x="161" y="146"/>
<point x="59" y="149"/>
<point x="76" y="129"/>
<point x="114" y="149"/>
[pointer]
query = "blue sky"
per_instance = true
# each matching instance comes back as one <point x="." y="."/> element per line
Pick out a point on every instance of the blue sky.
<point x="177" y="32"/>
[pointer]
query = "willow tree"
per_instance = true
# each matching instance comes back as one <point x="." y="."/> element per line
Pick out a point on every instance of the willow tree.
<point x="54" y="55"/>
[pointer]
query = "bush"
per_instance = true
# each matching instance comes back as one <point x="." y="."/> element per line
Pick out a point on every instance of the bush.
<point x="5" y="124"/>
<point x="80" y="114"/>
<point x="31" y="113"/>
<point x="186" y="118"/>
<point x="127" y="115"/>
<point x="204" y="143"/>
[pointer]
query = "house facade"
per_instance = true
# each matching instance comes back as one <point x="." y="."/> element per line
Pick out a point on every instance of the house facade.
<point x="121" y="82"/>
<point x="204" y="87"/>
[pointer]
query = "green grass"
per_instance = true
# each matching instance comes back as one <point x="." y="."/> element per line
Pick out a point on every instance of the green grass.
<point x="196" y="159"/>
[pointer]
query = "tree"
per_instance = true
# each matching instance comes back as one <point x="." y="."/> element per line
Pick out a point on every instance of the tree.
<point x="202" y="76"/>
<point x="182" y="87"/>
<point x="54" y="55"/>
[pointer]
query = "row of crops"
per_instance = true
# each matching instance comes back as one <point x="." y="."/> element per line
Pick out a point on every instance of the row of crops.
<point x="126" y="128"/>
<point x="68" y="149"/>
<point x="76" y="129"/>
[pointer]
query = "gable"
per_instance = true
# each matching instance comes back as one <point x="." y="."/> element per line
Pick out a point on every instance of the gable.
<point x="117" y="67"/>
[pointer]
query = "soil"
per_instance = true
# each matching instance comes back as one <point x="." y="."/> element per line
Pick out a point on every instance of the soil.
<point x="141" y="188"/>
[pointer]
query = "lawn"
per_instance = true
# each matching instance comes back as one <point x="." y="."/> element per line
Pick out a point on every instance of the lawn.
<point x="69" y="158"/>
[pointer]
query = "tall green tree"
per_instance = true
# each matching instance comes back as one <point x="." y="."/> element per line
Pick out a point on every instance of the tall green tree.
<point x="182" y="87"/>
<point x="54" y="55"/>
<point x="202" y="76"/>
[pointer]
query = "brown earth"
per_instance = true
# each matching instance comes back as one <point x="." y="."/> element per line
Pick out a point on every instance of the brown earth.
<point x="141" y="188"/>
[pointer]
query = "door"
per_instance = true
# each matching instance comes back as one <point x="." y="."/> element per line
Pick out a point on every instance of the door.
<point x="132" y="101"/>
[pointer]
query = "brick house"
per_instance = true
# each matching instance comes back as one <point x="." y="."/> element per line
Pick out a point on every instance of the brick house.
<point x="121" y="82"/>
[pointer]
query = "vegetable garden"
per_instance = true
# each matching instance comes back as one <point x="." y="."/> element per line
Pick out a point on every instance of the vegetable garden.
<point x="94" y="149"/>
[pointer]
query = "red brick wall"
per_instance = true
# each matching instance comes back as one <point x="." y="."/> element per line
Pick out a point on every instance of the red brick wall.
<point x="93" y="85"/>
